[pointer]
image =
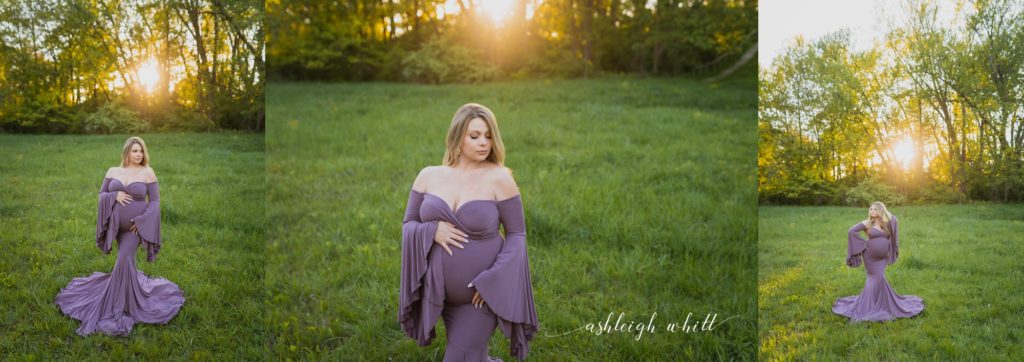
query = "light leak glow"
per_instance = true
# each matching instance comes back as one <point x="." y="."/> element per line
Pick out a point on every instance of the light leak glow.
<point x="149" y="75"/>
<point x="497" y="10"/>
<point x="450" y="7"/>
<point x="903" y="151"/>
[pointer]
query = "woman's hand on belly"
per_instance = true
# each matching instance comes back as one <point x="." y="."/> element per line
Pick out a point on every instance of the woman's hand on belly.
<point x="448" y="235"/>
<point x="478" y="301"/>
<point x="124" y="198"/>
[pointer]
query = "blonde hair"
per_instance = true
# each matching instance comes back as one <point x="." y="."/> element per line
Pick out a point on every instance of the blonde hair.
<point x="884" y="215"/>
<point x="457" y="132"/>
<point x="128" y="150"/>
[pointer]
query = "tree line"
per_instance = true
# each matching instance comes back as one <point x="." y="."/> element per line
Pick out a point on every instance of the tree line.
<point x="932" y="113"/>
<point x="439" y="41"/>
<point x="104" y="66"/>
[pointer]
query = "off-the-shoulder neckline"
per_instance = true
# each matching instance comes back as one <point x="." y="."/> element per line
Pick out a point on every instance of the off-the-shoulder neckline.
<point x="464" y="203"/>
<point x="129" y="183"/>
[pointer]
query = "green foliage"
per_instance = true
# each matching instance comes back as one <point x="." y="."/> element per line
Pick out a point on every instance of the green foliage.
<point x="410" y="41"/>
<point x="557" y="62"/>
<point x="802" y="189"/>
<point x="829" y="114"/>
<point x="441" y="60"/>
<point x="61" y="61"/>
<point x="114" y="118"/>
<point x="187" y="121"/>
<point x="870" y="190"/>
<point x="939" y="193"/>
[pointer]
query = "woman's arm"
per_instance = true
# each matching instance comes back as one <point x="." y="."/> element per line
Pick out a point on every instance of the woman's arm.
<point x="894" y="244"/>
<point x="148" y="223"/>
<point x="506" y="286"/>
<point x="510" y="213"/>
<point x="416" y="234"/>
<point x="421" y="285"/>
<point x="512" y="256"/>
<point x="855" y="245"/>
<point x="106" y="219"/>
<point x="512" y="217"/>
<point x="105" y="187"/>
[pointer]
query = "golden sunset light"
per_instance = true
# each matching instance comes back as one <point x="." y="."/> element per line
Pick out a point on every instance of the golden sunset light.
<point x="149" y="75"/>
<point x="497" y="10"/>
<point x="903" y="150"/>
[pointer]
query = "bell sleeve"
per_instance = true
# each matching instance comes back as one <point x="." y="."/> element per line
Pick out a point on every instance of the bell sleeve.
<point x="894" y="244"/>
<point x="506" y="286"/>
<point x="148" y="223"/>
<point x="855" y="245"/>
<point x="421" y="290"/>
<point x="106" y="219"/>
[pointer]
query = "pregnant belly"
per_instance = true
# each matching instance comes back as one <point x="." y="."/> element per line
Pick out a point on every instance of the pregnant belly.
<point x="465" y="264"/>
<point x="878" y="248"/>
<point x="126" y="213"/>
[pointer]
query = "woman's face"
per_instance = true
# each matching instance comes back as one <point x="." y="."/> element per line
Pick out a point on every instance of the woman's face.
<point x="135" y="154"/>
<point x="874" y="211"/>
<point x="476" y="145"/>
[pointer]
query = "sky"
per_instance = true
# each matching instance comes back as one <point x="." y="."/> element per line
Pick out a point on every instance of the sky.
<point x="780" y="21"/>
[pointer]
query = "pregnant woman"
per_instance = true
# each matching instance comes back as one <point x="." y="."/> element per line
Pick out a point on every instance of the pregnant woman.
<point x="455" y="263"/>
<point x="877" y="302"/>
<point x="113" y="303"/>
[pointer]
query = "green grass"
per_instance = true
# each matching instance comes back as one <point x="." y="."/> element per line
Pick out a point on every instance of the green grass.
<point x="639" y="194"/>
<point x="212" y="192"/>
<point x="964" y="260"/>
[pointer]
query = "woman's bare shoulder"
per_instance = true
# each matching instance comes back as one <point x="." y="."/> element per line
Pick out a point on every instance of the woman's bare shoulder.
<point x="426" y="177"/>
<point x="149" y="174"/>
<point x="112" y="171"/>
<point x="505" y="186"/>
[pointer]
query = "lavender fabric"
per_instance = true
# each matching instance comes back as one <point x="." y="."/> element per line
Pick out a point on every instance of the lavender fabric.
<point x="113" y="303"/>
<point x="877" y="301"/>
<point x="434" y="283"/>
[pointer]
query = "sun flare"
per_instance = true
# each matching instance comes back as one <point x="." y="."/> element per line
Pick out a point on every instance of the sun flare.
<point x="497" y="10"/>
<point x="149" y="75"/>
<point x="903" y="150"/>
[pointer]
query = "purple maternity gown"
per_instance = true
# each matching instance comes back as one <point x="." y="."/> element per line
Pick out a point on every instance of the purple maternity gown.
<point x="877" y="302"/>
<point x="434" y="284"/>
<point x="113" y="303"/>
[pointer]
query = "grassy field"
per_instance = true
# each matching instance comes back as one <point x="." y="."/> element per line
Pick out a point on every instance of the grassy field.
<point x="964" y="260"/>
<point x="212" y="192"/>
<point x="639" y="193"/>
